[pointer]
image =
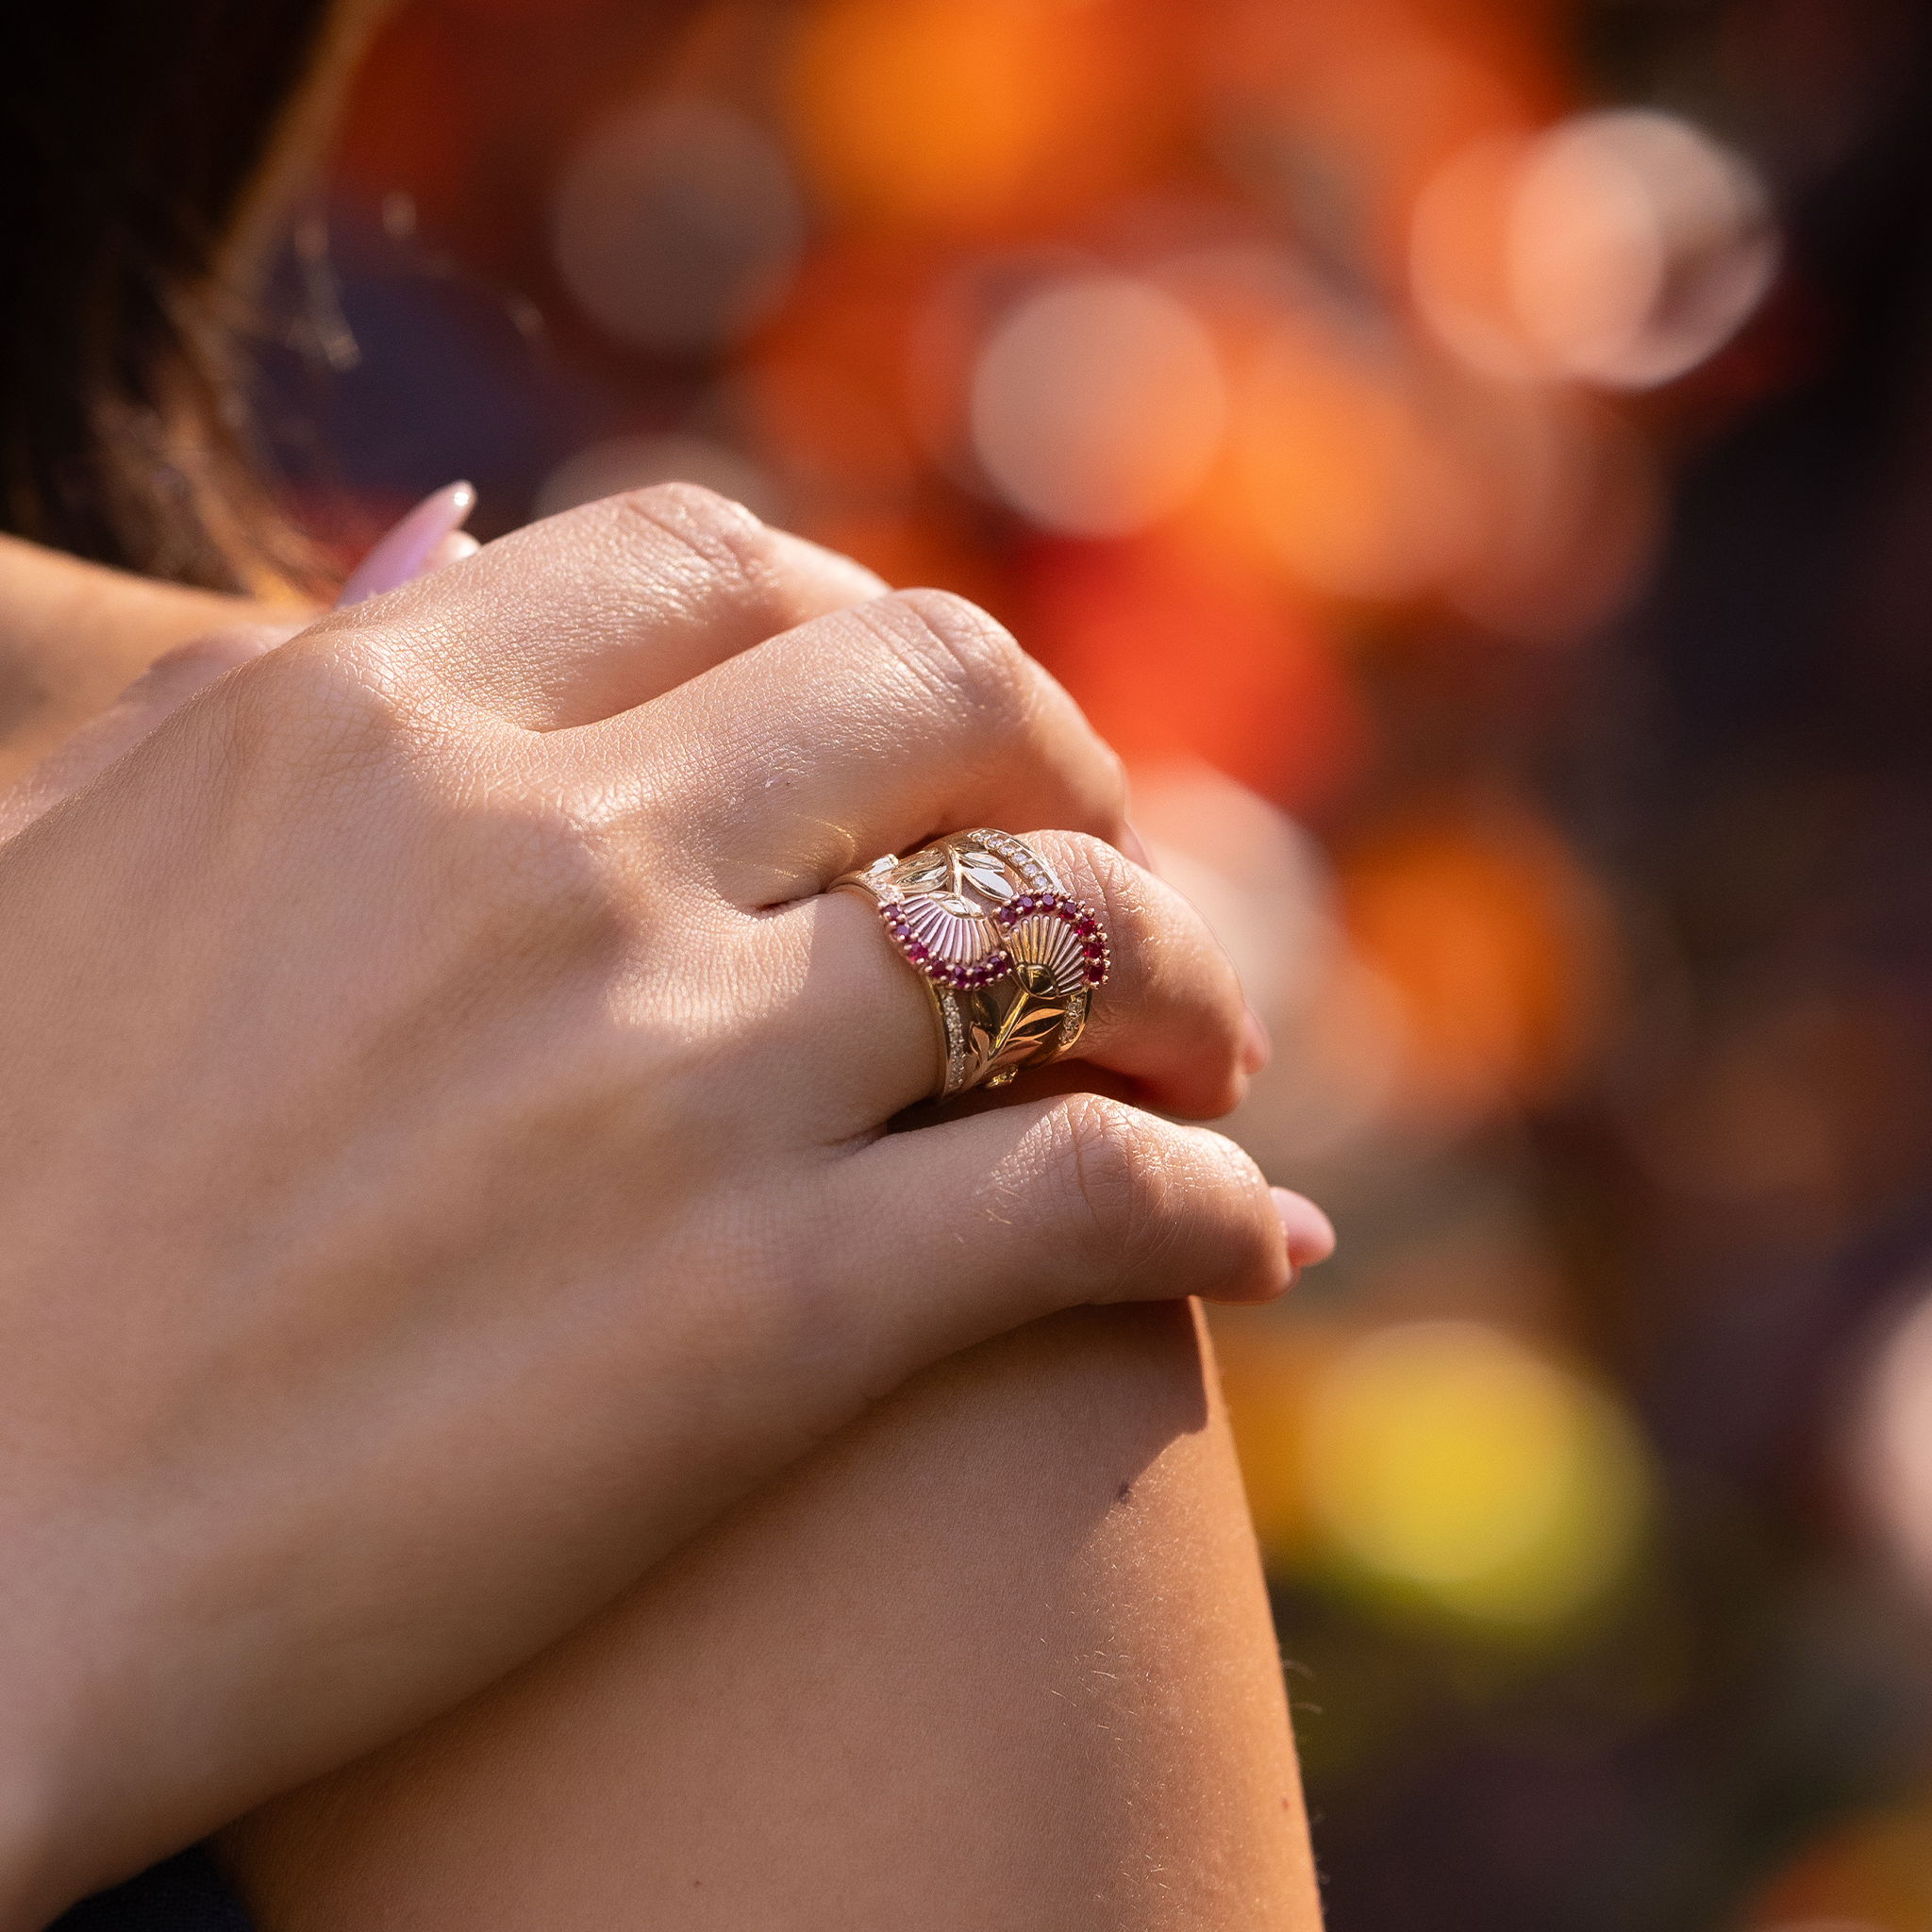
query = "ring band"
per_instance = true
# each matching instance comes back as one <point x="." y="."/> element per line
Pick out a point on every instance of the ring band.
<point x="1008" y="958"/>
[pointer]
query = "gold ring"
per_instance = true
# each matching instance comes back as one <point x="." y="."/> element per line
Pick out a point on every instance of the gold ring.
<point x="1009" y="958"/>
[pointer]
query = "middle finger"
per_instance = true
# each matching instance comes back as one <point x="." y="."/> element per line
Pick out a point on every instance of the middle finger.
<point x="863" y="732"/>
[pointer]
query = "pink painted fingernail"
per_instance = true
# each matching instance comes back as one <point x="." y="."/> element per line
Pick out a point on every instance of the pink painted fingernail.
<point x="1133" y="846"/>
<point x="1310" y="1234"/>
<point x="1257" y="1048"/>
<point x="406" y="550"/>
<point x="451" y="549"/>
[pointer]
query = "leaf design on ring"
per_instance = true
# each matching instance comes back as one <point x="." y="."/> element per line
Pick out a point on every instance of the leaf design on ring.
<point x="982" y="873"/>
<point x="930" y="871"/>
<point x="961" y="879"/>
<point x="1028" y="1028"/>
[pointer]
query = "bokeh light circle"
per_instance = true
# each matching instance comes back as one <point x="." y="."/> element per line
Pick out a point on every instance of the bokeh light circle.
<point x="1097" y="407"/>
<point x="1502" y="946"/>
<point x="1637" y="246"/>
<point x="676" y="227"/>
<point x="931" y="115"/>
<point x="1896" y="1446"/>
<point x="1449" y="1460"/>
<point x="1619" y="248"/>
<point x="1870" y="1872"/>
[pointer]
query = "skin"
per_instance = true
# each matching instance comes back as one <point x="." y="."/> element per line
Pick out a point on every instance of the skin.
<point x="434" y="1020"/>
<point x="997" y="1654"/>
<point x="74" y="636"/>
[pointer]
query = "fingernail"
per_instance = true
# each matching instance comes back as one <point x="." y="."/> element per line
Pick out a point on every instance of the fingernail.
<point x="451" y="549"/>
<point x="404" y="553"/>
<point x="1309" y="1232"/>
<point x="1133" y="846"/>
<point x="1257" y="1048"/>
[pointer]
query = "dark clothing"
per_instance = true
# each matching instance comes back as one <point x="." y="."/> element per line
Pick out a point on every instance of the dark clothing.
<point x="185" y="1894"/>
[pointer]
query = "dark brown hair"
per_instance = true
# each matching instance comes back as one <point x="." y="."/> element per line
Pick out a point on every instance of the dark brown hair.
<point x="131" y="133"/>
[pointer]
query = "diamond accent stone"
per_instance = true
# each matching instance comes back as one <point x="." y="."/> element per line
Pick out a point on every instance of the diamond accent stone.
<point x="956" y="1043"/>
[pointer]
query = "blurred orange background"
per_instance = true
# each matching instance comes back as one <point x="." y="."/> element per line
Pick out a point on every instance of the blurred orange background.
<point x="1474" y="460"/>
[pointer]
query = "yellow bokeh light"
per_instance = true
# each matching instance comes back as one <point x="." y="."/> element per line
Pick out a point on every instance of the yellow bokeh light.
<point x="1446" y="1459"/>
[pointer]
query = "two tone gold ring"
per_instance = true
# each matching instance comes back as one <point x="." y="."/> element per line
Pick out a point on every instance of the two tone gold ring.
<point x="1009" y="958"/>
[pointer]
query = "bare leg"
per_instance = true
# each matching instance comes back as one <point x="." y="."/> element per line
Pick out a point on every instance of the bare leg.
<point x="997" y="1656"/>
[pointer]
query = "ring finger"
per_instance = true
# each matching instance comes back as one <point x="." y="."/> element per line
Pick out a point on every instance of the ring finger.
<point x="1169" y="1015"/>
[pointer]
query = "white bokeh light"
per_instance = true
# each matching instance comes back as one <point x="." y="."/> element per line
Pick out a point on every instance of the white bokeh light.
<point x="1637" y="247"/>
<point x="1619" y="248"/>
<point x="1098" y="406"/>
<point x="1896" y="1452"/>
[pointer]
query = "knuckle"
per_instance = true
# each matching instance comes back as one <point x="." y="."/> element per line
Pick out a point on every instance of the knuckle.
<point x="216" y="651"/>
<point x="1098" y="875"/>
<point x="713" y="535"/>
<point x="1177" y="1207"/>
<point x="953" y="650"/>
<point x="311" y="717"/>
<point x="1109" y="1181"/>
<point x="1104" y="782"/>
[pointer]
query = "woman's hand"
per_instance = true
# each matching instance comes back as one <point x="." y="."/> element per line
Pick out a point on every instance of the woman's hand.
<point x="440" y="1138"/>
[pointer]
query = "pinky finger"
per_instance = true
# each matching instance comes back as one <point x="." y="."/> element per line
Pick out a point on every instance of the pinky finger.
<point x="1006" y="1216"/>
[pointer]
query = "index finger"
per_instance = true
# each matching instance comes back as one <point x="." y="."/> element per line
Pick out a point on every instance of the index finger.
<point x="587" y="614"/>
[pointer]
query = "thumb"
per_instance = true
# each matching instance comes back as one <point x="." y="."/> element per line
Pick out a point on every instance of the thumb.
<point x="425" y="540"/>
